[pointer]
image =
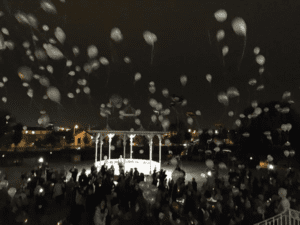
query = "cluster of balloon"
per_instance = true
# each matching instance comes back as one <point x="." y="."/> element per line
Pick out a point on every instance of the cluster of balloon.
<point x="150" y="38"/>
<point x="149" y="191"/>
<point x="209" y="163"/>
<point x="152" y="88"/>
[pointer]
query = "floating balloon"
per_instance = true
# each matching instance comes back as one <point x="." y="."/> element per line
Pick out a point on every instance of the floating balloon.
<point x="30" y="92"/>
<point x="87" y="90"/>
<point x="220" y="35"/>
<point x="260" y="59"/>
<point x="69" y="63"/>
<point x="32" y="20"/>
<point x="252" y="82"/>
<point x="220" y="15"/>
<point x="92" y="51"/>
<point x="4" y="79"/>
<point x="104" y="61"/>
<point x="48" y="7"/>
<point x="45" y="27"/>
<point x="225" y="50"/>
<point x="127" y="59"/>
<point x="256" y="50"/>
<point x="183" y="80"/>
<point x="116" y="35"/>
<point x="4" y="99"/>
<point x="198" y="113"/>
<point x="71" y="73"/>
<point x="152" y="89"/>
<point x="209" y="163"/>
<point x="222" y="98"/>
<point x="53" y="94"/>
<point x="25" y="73"/>
<point x="50" y="69"/>
<point x="165" y="92"/>
<point x="238" y="122"/>
<point x="75" y="50"/>
<point x="40" y="54"/>
<point x="53" y="52"/>
<point x="141" y="151"/>
<point x="190" y="121"/>
<point x="208" y="78"/>
<point x="5" y="31"/>
<point x="60" y="35"/>
<point x="254" y="104"/>
<point x="230" y="113"/>
<point x="137" y="76"/>
<point x="77" y="68"/>
<point x="239" y="26"/>
<point x="71" y="95"/>
<point x="232" y="92"/>
<point x="149" y="37"/>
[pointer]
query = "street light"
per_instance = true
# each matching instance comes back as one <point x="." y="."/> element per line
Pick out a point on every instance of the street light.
<point x="76" y="127"/>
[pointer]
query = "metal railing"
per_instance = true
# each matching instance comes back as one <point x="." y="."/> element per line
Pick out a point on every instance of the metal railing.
<point x="289" y="217"/>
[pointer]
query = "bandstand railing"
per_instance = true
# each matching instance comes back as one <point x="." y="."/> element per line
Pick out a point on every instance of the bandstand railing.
<point x="289" y="217"/>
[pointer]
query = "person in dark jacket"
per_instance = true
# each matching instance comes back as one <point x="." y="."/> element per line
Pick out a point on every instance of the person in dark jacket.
<point x="74" y="172"/>
<point x="83" y="179"/>
<point x="194" y="184"/>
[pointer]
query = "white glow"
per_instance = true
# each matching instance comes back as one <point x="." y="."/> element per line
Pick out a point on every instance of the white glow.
<point x="209" y="173"/>
<point x="41" y="160"/>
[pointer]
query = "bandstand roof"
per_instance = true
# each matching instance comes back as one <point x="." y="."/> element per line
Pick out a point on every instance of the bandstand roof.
<point x="122" y="132"/>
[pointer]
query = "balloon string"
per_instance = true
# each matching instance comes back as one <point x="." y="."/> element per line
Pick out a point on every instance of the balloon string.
<point x="244" y="47"/>
<point x="152" y="54"/>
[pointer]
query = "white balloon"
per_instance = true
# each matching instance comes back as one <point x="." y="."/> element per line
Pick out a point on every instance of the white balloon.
<point x="208" y="78"/>
<point x="230" y="113"/>
<point x="77" y="90"/>
<point x="26" y="44"/>
<point x="31" y="58"/>
<point x="256" y="50"/>
<point x="137" y="76"/>
<point x="4" y="99"/>
<point x="153" y="118"/>
<point x="4" y="79"/>
<point x="116" y="34"/>
<point x="53" y="52"/>
<point x="30" y="92"/>
<point x="238" y="122"/>
<point x="40" y="54"/>
<point x="69" y="63"/>
<point x="190" y="121"/>
<point x="45" y="27"/>
<point x="75" y="50"/>
<point x="225" y="50"/>
<point x="239" y="26"/>
<point x="32" y="20"/>
<point x="60" y="35"/>
<point x="77" y="68"/>
<point x="92" y="51"/>
<point x="70" y="95"/>
<point x="52" y="41"/>
<point x="1" y="84"/>
<point x="149" y="37"/>
<point x="4" y="31"/>
<point x="53" y="94"/>
<point x="103" y="61"/>
<point x="71" y="73"/>
<point x="165" y="92"/>
<point x="261" y="70"/>
<point x="87" y="90"/>
<point x="183" y="80"/>
<point x="220" y="35"/>
<point x="260" y="59"/>
<point x="127" y="59"/>
<point x="25" y="84"/>
<point x="50" y="69"/>
<point x="48" y="6"/>
<point x="220" y="15"/>
<point x="25" y="73"/>
<point x="198" y="113"/>
<point x="252" y="82"/>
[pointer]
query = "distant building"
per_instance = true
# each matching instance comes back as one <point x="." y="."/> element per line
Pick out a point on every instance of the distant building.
<point x="79" y="139"/>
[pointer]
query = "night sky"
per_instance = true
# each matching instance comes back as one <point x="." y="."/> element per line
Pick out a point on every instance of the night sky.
<point x="186" y="45"/>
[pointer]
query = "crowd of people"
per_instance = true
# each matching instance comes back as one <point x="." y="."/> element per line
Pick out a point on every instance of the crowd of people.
<point x="237" y="198"/>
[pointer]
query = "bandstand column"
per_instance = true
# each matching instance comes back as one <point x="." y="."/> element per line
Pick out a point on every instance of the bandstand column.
<point x="159" y="137"/>
<point x="101" y="143"/>
<point x="96" y="147"/>
<point x="110" y="136"/>
<point x="150" y="138"/>
<point x="131" y="136"/>
<point x="124" y="146"/>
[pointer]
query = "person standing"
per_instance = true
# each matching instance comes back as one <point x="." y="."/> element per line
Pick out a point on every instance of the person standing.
<point x="74" y="172"/>
<point x="58" y="192"/>
<point x="121" y="164"/>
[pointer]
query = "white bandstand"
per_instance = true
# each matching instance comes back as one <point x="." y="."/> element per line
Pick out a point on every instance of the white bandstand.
<point x="143" y="166"/>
